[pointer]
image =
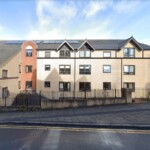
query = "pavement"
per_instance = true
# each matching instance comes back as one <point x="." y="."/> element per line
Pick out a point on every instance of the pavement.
<point x="124" y="116"/>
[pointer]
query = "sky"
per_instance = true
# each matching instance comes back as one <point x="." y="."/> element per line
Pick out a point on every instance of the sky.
<point x="75" y="19"/>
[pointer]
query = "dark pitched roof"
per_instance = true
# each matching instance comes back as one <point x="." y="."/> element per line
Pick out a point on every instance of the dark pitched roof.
<point x="132" y="40"/>
<point x="96" y="44"/>
<point x="65" y="43"/>
<point x="7" y="50"/>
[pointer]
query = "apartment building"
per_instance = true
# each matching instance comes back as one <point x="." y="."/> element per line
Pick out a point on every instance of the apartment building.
<point x="74" y="65"/>
<point x="80" y="65"/>
<point x="10" y="71"/>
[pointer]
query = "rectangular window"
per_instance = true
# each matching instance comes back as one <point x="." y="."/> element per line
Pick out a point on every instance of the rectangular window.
<point x="64" y="69"/>
<point x="28" y="69"/>
<point x="106" y="68"/>
<point x="47" y="54"/>
<point x="64" y="86"/>
<point x="47" y="84"/>
<point x="85" y="69"/>
<point x="129" y="69"/>
<point x="19" y="68"/>
<point x="130" y="85"/>
<point x="64" y="53"/>
<point x="85" y="53"/>
<point x="107" y="54"/>
<point x="28" y="84"/>
<point x="19" y="84"/>
<point x="47" y="67"/>
<point x="106" y="85"/>
<point x="4" y="73"/>
<point x="28" y="52"/>
<point x="129" y="52"/>
<point x="5" y="92"/>
<point x="84" y="86"/>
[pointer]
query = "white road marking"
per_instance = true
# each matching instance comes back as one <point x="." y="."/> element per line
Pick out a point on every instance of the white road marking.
<point x="52" y="140"/>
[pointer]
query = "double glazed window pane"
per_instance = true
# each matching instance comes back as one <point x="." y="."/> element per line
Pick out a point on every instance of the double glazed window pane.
<point x="106" y="54"/>
<point x="85" y="53"/>
<point x="64" y="69"/>
<point x="130" y="86"/>
<point x="47" y="84"/>
<point x="84" y="86"/>
<point x="64" y="86"/>
<point x="129" y="69"/>
<point x="47" y="54"/>
<point x="106" y="68"/>
<point x="85" y="69"/>
<point x="29" y="52"/>
<point x="47" y="67"/>
<point x="129" y="52"/>
<point x="107" y="85"/>
<point x="4" y="73"/>
<point x="28" y="84"/>
<point x="28" y="69"/>
<point x="64" y="53"/>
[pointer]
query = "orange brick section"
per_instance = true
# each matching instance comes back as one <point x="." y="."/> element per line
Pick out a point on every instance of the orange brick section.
<point x="28" y="61"/>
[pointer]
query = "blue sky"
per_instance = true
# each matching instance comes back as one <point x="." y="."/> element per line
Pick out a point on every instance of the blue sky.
<point x="75" y="19"/>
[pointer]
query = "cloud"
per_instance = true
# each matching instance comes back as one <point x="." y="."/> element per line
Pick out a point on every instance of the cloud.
<point x="125" y="6"/>
<point x="53" y="17"/>
<point x="96" y="6"/>
<point x="67" y="19"/>
<point x="56" y="10"/>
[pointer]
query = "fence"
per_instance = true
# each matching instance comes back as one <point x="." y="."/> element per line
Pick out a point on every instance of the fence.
<point x="27" y="99"/>
<point x="94" y="94"/>
<point x="141" y="94"/>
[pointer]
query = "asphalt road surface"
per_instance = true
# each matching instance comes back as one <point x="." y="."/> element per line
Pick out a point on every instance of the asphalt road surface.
<point x="50" y="138"/>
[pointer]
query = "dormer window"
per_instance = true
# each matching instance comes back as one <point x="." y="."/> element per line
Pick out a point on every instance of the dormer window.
<point x="64" y="53"/>
<point x="85" y="49"/>
<point x="129" y="52"/>
<point x="29" y="51"/>
<point x="85" y="53"/>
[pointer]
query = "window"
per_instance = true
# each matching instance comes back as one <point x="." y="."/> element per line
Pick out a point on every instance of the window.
<point x="4" y="73"/>
<point x="85" y="69"/>
<point x="64" y="69"/>
<point x="19" y="84"/>
<point x="64" y="86"/>
<point x="47" y="84"/>
<point x="28" y="84"/>
<point x="85" y="53"/>
<point x="28" y="69"/>
<point x="19" y="68"/>
<point x="129" y="52"/>
<point x="47" y="67"/>
<point x="106" y="85"/>
<point x="5" y="92"/>
<point x="64" y="53"/>
<point x="84" y="86"/>
<point x="130" y="85"/>
<point x="29" y="52"/>
<point x="47" y="54"/>
<point x="129" y="69"/>
<point x="106" y="54"/>
<point x="106" y="68"/>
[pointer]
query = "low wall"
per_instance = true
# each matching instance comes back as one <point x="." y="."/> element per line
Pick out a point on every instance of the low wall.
<point x="7" y="102"/>
<point x="51" y="104"/>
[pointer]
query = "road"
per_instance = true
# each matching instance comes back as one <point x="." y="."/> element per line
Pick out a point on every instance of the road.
<point x="50" y="138"/>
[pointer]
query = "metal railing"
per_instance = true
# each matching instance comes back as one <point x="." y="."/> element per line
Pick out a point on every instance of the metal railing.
<point x="93" y="94"/>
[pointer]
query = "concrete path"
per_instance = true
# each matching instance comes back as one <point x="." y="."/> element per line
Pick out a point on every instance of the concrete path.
<point x="119" y="116"/>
